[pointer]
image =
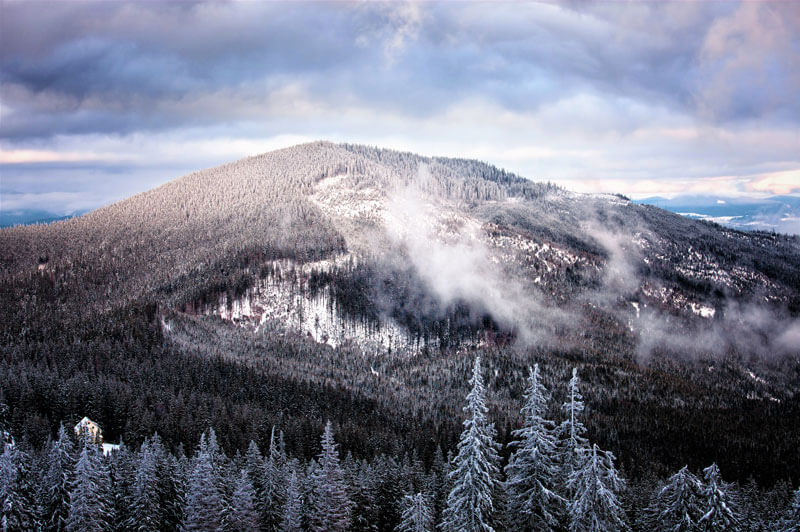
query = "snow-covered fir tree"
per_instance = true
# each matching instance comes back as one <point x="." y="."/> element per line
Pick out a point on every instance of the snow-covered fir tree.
<point x="293" y="509"/>
<point x="416" y="514"/>
<point x="144" y="507"/>
<point x="122" y="471"/>
<point x="676" y="506"/>
<point x="361" y="481"/>
<point x="242" y="516"/>
<point x="719" y="512"/>
<point x="570" y="433"/>
<point x="329" y="506"/>
<point x="57" y="481"/>
<point x="204" y="499"/>
<point x="273" y="490"/>
<point x="90" y="505"/>
<point x="595" y="506"/>
<point x="475" y="467"/>
<point x="533" y="503"/>
<point x="256" y="473"/>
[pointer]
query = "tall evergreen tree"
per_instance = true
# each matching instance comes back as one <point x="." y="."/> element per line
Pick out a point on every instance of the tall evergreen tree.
<point x="57" y="481"/>
<point x="204" y="500"/>
<point x="122" y="468"/>
<point x="595" y="506"/>
<point x="145" y="508"/>
<point x="243" y="515"/>
<point x="475" y="468"/>
<point x="90" y="505"/>
<point x="533" y="504"/>
<point x="329" y="504"/>
<point x="254" y="468"/>
<point x="676" y="507"/>
<point x="273" y="497"/>
<point x="571" y="439"/>
<point x="293" y="509"/>
<point x="416" y="514"/>
<point x="718" y="506"/>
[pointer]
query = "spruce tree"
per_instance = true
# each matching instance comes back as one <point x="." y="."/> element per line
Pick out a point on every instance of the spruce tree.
<point x="145" y="501"/>
<point x="475" y="468"/>
<point x="416" y="514"/>
<point x="533" y="504"/>
<point x="57" y="481"/>
<point x="293" y="509"/>
<point x="595" y="506"/>
<point x="329" y="505"/>
<point x="273" y="497"/>
<point x="254" y="467"/>
<point x="570" y="433"/>
<point x="90" y="505"/>
<point x="718" y="507"/>
<point x="204" y="500"/>
<point x="243" y="515"/>
<point x="676" y="507"/>
<point x="122" y="469"/>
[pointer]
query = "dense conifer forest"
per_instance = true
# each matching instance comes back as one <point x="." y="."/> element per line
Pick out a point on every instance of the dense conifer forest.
<point x="553" y="479"/>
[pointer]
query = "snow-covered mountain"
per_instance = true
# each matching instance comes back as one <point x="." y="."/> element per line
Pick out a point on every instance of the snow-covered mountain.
<point x="380" y="273"/>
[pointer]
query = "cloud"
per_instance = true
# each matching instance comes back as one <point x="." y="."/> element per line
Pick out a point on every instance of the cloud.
<point x="624" y="98"/>
<point x="749" y="62"/>
<point x="786" y="182"/>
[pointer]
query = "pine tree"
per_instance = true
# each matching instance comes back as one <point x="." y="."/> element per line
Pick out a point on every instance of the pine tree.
<point x="676" y="507"/>
<point x="57" y="481"/>
<point x="791" y="522"/>
<point x="204" y="501"/>
<point x="293" y="509"/>
<point x="531" y="472"/>
<point x="719" y="512"/>
<point x="329" y="504"/>
<point x="595" y="506"/>
<point x="571" y="440"/>
<point x="90" y="505"/>
<point x="243" y="515"/>
<point x="475" y="468"/>
<point x="416" y="515"/>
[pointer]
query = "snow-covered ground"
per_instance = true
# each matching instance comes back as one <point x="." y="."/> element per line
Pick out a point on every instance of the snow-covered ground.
<point x="281" y="301"/>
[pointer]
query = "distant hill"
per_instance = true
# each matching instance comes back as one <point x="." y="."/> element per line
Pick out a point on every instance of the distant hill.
<point x="776" y="213"/>
<point x="33" y="216"/>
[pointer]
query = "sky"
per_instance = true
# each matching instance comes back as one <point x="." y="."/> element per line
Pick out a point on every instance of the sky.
<point x="100" y="100"/>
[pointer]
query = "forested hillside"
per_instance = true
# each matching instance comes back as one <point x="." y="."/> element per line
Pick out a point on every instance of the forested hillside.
<point x="357" y="285"/>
